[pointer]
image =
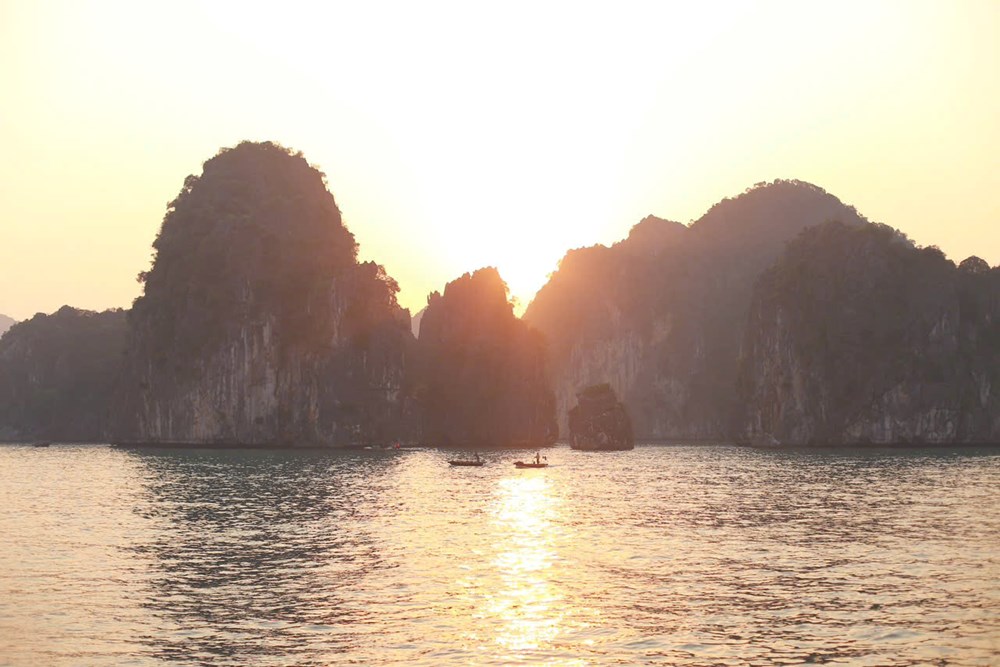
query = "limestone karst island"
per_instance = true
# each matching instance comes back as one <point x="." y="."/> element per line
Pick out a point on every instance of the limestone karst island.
<point x="780" y="317"/>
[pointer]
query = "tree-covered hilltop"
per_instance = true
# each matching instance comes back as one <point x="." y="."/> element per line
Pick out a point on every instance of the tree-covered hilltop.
<point x="660" y="315"/>
<point x="57" y="373"/>
<point x="257" y="233"/>
<point x="857" y="336"/>
<point x="482" y="378"/>
<point x="257" y="324"/>
<point x="6" y="323"/>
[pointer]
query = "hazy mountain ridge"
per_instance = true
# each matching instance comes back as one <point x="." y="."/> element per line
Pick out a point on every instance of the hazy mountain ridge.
<point x="660" y="315"/>
<point x="780" y="316"/>
<point x="856" y="336"/>
<point x="6" y="323"/>
<point x="57" y="375"/>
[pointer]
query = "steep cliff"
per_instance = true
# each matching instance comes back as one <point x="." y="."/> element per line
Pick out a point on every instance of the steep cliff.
<point x="57" y="373"/>
<point x="257" y="324"/>
<point x="660" y="315"/>
<point x="856" y="336"/>
<point x="482" y="371"/>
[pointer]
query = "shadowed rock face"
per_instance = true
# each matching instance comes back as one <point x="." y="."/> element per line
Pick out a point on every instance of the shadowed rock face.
<point x="57" y="373"/>
<point x="660" y="316"/>
<point x="482" y="371"/>
<point x="257" y="324"/>
<point x="599" y="421"/>
<point x="856" y="336"/>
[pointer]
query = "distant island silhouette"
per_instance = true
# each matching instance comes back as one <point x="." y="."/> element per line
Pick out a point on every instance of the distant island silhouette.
<point x="6" y="323"/>
<point x="780" y="317"/>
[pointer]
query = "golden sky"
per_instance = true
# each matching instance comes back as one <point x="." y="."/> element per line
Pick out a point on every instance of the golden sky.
<point x="463" y="134"/>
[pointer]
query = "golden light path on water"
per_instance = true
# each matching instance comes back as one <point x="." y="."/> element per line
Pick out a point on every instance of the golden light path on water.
<point x="529" y="600"/>
<point x="500" y="543"/>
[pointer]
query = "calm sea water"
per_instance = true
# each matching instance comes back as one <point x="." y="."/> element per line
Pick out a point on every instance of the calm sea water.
<point x="661" y="555"/>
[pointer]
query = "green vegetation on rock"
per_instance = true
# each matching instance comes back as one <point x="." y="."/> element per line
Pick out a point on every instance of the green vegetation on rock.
<point x="858" y="336"/>
<point x="257" y="323"/>
<point x="256" y="235"/>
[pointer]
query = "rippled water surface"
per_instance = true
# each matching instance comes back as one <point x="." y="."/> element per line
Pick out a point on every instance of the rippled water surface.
<point x="661" y="555"/>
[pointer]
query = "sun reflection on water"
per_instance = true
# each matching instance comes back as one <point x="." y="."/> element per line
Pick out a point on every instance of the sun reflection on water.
<point x="528" y="604"/>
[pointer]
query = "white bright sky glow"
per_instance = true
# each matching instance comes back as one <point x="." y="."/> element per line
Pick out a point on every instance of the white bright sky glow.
<point x="461" y="135"/>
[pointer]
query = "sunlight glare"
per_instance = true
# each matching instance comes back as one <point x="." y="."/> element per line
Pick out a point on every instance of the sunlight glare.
<point x="526" y="600"/>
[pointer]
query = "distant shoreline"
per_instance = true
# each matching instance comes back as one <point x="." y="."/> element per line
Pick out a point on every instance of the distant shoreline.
<point x="667" y="442"/>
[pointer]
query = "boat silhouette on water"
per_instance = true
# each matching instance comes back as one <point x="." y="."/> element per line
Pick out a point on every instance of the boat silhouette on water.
<point x="539" y="462"/>
<point x="467" y="462"/>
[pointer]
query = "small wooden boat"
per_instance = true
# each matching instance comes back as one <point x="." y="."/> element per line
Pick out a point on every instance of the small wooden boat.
<point x="41" y="444"/>
<point x="539" y="462"/>
<point x="465" y="463"/>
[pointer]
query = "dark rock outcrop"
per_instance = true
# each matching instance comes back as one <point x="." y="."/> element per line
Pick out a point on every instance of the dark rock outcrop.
<point x="57" y="374"/>
<point x="856" y="336"/>
<point x="257" y="324"/>
<point x="482" y="370"/>
<point x="599" y="421"/>
<point x="660" y="315"/>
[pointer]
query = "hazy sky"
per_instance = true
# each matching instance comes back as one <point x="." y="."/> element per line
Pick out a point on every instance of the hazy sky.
<point x="460" y="135"/>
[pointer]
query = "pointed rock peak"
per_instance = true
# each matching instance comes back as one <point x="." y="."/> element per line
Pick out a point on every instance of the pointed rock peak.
<point x="483" y="284"/>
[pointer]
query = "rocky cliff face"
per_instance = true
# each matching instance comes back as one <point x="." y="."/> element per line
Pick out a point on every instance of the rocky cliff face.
<point x="57" y="373"/>
<point x="856" y="336"/>
<point x="660" y="315"/>
<point x="257" y="324"/>
<point x="482" y="371"/>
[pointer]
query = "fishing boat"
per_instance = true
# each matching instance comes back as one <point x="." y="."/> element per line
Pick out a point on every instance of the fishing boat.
<point x="467" y="462"/>
<point x="539" y="462"/>
<point x="458" y="462"/>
